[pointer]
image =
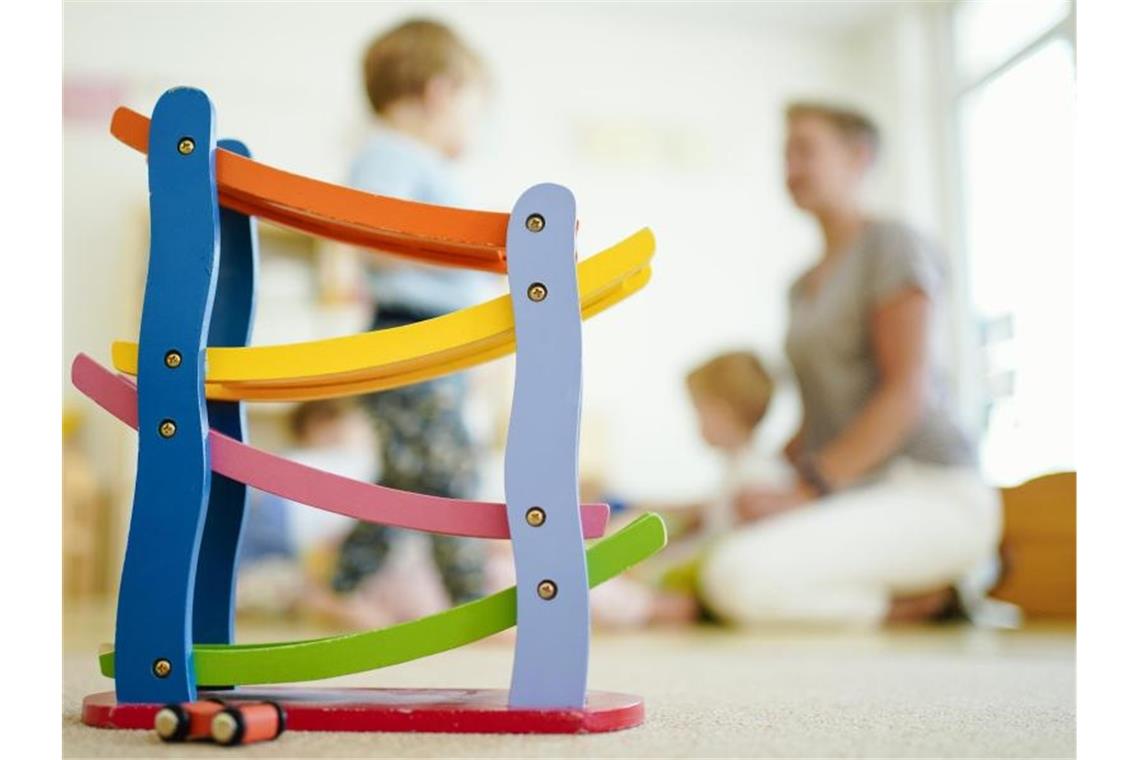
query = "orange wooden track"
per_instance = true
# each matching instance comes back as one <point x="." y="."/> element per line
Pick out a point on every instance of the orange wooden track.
<point x="439" y="235"/>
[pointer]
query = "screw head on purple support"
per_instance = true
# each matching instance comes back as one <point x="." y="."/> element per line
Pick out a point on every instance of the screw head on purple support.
<point x="536" y="292"/>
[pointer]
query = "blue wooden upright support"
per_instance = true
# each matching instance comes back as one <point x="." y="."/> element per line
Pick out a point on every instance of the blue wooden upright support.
<point x="552" y="647"/>
<point x="231" y="324"/>
<point x="153" y="628"/>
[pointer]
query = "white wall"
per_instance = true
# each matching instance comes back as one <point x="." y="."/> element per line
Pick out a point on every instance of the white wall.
<point x="668" y="117"/>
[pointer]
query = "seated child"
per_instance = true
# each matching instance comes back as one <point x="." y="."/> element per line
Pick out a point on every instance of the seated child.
<point x="290" y="552"/>
<point x="283" y="543"/>
<point x="730" y="394"/>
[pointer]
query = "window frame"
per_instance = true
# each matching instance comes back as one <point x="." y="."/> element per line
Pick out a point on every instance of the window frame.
<point x="973" y="396"/>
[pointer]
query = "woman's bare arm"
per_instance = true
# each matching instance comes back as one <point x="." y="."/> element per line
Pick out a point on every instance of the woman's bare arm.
<point x="899" y="338"/>
<point x="794" y="447"/>
<point x="899" y="335"/>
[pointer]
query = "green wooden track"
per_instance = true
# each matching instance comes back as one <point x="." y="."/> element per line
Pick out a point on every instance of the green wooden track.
<point x="287" y="662"/>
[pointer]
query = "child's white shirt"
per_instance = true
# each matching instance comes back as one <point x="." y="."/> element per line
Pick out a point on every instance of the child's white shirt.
<point x="743" y="469"/>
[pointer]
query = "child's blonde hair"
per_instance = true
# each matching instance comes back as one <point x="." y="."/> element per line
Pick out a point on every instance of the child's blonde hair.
<point x="310" y="414"/>
<point x="400" y="62"/>
<point x="738" y="379"/>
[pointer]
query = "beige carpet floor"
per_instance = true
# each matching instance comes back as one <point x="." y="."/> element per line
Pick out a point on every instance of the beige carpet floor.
<point x="916" y="692"/>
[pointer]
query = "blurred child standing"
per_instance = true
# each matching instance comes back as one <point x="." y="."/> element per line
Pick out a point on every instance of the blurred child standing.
<point x="426" y="88"/>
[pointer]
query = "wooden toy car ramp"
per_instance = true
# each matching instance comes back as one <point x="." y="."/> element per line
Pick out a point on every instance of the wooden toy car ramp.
<point x="193" y="367"/>
<point x="411" y="353"/>
<point x="436" y="234"/>
<point x="332" y="656"/>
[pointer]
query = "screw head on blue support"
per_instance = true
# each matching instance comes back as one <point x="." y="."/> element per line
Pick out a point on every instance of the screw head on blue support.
<point x="162" y="667"/>
<point x="535" y="223"/>
<point x="186" y="146"/>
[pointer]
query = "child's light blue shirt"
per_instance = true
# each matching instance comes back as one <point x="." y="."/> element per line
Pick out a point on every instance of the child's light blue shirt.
<point x="397" y="165"/>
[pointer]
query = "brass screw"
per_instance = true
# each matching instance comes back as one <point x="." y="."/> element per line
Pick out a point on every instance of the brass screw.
<point x="535" y="223"/>
<point x="547" y="590"/>
<point x="161" y="667"/>
<point x="186" y="146"/>
<point x="173" y="359"/>
<point x="535" y="517"/>
<point x="167" y="428"/>
<point x="536" y="292"/>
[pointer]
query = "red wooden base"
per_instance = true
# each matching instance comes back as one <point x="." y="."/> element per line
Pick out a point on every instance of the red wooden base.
<point x="457" y="711"/>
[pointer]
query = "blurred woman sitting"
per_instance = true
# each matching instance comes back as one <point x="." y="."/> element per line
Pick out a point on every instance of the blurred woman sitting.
<point x="889" y="512"/>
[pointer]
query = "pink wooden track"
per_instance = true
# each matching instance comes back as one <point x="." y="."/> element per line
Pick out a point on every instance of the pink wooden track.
<point x="317" y="488"/>
<point x="453" y="711"/>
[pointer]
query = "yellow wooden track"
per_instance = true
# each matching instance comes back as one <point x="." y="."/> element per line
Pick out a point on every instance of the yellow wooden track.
<point x="399" y="356"/>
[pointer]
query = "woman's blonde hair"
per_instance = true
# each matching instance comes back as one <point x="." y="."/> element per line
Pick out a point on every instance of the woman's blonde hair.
<point x="737" y="378"/>
<point x="401" y="61"/>
<point x="853" y="125"/>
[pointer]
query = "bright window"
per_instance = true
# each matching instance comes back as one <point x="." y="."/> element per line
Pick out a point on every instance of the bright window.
<point x="989" y="32"/>
<point x="1015" y="124"/>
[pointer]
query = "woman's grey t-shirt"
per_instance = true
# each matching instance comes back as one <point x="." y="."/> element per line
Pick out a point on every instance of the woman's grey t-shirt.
<point x="830" y="348"/>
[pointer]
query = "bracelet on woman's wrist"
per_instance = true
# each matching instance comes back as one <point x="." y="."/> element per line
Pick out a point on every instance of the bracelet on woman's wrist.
<point x="809" y="472"/>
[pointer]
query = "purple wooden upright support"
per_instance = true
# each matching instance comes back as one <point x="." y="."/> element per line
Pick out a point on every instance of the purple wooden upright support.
<point x="552" y="647"/>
